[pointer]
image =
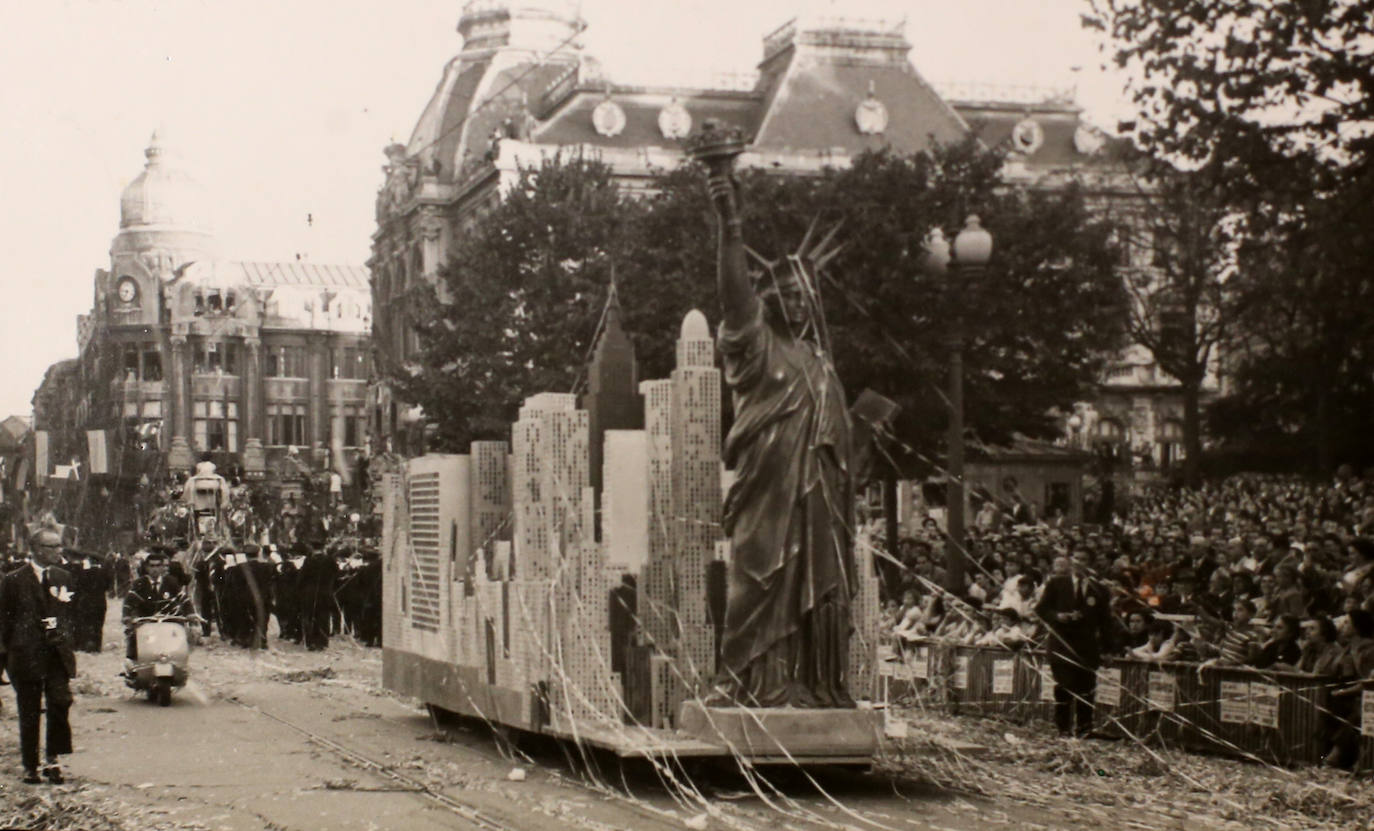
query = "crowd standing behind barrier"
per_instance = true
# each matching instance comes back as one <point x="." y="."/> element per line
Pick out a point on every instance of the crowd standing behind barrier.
<point x="1241" y="619"/>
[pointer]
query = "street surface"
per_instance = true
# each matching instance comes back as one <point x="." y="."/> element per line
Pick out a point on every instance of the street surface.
<point x="288" y="739"/>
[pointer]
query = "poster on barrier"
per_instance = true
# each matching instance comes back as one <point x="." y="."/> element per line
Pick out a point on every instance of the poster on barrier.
<point x="1046" y="682"/>
<point x="1108" y="692"/>
<point x="901" y="671"/>
<point x="1003" y="676"/>
<point x="1264" y="704"/>
<point x="960" y="672"/>
<point x="921" y="667"/>
<point x="1163" y="691"/>
<point x="1367" y="713"/>
<point x="1235" y="702"/>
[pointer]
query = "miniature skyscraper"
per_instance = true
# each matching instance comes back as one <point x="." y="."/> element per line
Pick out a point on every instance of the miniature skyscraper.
<point x="696" y="498"/>
<point x="682" y="425"/>
<point x="612" y="400"/>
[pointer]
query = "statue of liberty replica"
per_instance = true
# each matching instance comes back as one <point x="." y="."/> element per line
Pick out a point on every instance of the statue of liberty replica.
<point x="790" y="513"/>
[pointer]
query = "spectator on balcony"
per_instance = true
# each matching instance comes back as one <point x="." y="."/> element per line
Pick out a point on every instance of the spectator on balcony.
<point x="1266" y="601"/>
<point x="1361" y="563"/>
<point x="1186" y="600"/>
<point x="1213" y="602"/>
<point x="1281" y="651"/>
<point x="1203" y="644"/>
<point x="1163" y="642"/>
<point x="1011" y="632"/>
<point x="1137" y="632"/>
<point x="1242" y="640"/>
<point x="1321" y="654"/>
<point x="1356" y="631"/>
<point x="1289" y="598"/>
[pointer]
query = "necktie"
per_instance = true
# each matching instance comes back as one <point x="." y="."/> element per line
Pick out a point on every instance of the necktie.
<point x="44" y="581"/>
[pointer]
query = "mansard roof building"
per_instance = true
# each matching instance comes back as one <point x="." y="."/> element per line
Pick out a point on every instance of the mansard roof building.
<point x="827" y="89"/>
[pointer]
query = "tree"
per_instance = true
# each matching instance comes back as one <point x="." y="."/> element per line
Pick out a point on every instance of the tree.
<point x="1304" y="357"/>
<point x="1277" y="97"/>
<point x="526" y="284"/>
<point x="1179" y="245"/>
<point x="523" y="290"/>
<point x="1214" y="75"/>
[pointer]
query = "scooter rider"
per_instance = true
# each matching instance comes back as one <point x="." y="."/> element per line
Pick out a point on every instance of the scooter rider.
<point x="155" y="593"/>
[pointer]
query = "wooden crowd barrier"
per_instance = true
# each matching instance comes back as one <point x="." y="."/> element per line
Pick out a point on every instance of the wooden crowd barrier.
<point x="1277" y="717"/>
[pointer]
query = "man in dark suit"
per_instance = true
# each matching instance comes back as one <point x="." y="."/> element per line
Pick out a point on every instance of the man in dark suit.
<point x="316" y="583"/>
<point x="92" y="579"/>
<point x="158" y="592"/>
<point x="36" y="631"/>
<point x="1075" y="608"/>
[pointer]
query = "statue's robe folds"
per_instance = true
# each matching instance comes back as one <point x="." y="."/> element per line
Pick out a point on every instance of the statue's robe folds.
<point x="790" y="517"/>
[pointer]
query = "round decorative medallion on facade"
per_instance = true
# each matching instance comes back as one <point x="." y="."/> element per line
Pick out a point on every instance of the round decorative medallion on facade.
<point x="608" y="118"/>
<point x="674" y="122"/>
<point x="871" y="116"/>
<point x="1027" y="136"/>
<point x="1088" y="141"/>
<point x="127" y="290"/>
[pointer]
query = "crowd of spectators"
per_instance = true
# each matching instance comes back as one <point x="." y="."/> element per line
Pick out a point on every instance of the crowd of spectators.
<point x="1270" y="572"/>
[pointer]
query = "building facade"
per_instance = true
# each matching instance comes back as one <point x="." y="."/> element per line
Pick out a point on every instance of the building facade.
<point x="827" y="89"/>
<point x="185" y="351"/>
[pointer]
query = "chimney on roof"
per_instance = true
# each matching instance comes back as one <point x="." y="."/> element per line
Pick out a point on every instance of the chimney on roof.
<point x="840" y="39"/>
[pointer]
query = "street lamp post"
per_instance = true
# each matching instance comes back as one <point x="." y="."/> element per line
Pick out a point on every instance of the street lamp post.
<point x="971" y="251"/>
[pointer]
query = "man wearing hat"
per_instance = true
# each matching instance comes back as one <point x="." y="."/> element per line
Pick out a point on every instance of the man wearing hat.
<point x="36" y="636"/>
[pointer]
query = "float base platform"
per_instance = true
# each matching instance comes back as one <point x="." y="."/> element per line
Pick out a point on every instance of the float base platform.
<point x="783" y="733"/>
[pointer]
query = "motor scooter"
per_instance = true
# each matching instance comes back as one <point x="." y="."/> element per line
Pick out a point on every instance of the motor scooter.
<point x="163" y="661"/>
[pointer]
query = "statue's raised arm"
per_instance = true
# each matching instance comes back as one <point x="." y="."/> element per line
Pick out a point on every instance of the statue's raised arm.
<point x="717" y="146"/>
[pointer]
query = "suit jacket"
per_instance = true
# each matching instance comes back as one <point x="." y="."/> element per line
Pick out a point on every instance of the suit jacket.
<point x="143" y="600"/>
<point x="33" y="651"/>
<point x="1080" y="640"/>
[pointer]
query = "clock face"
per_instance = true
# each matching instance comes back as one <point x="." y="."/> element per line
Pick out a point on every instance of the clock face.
<point x="128" y="290"/>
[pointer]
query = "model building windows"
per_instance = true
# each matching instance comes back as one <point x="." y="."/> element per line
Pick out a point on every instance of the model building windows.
<point x="215" y="425"/>
<point x="285" y="362"/>
<point x="285" y="424"/>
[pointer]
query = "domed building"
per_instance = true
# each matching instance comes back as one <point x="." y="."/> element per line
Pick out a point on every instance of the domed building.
<point x="187" y="351"/>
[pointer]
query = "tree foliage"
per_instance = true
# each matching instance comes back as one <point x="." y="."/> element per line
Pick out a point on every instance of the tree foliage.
<point x="1214" y="75"/>
<point x="1277" y="98"/>
<point x="1304" y="355"/>
<point x="1180" y="242"/>
<point x="524" y="288"/>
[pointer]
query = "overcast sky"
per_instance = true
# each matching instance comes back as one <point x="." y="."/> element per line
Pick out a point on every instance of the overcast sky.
<point x="282" y="107"/>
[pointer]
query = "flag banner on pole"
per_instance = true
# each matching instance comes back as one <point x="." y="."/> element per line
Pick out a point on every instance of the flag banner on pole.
<point x="40" y="455"/>
<point x="99" y="456"/>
